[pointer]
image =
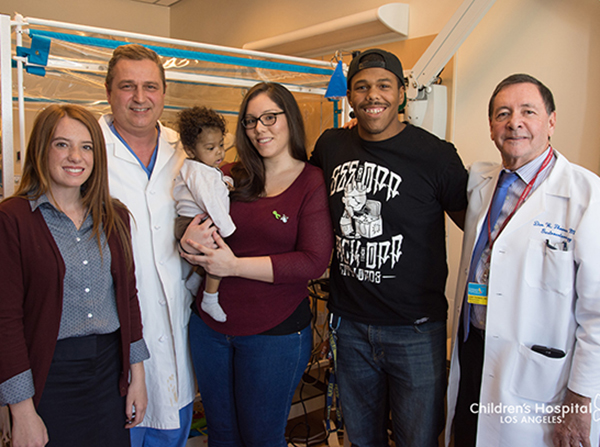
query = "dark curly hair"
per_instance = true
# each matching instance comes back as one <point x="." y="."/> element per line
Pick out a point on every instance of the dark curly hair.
<point x="192" y="121"/>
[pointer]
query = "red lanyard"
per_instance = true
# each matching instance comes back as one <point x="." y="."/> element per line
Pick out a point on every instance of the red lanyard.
<point x="524" y="195"/>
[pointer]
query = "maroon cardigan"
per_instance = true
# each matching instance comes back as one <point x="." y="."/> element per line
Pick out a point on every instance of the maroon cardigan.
<point x="31" y="293"/>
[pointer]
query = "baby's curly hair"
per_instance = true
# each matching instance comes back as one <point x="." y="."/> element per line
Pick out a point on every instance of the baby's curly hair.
<point x="190" y="123"/>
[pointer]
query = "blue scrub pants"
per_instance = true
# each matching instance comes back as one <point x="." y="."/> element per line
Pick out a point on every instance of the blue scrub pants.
<point x="153" y="437"/>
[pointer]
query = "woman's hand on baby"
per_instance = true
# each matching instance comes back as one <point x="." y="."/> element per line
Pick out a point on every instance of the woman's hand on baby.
<point x="200" y="232"/>
<point x="219" y="262"/>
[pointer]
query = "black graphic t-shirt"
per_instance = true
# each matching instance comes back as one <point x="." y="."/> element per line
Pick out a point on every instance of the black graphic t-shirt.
<point x="387" y="201"/>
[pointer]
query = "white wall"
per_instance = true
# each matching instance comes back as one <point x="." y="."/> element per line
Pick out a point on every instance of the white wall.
<point x="556" y="41"/>
<point x="124" y="15"/>
<point x="235" y="22"/>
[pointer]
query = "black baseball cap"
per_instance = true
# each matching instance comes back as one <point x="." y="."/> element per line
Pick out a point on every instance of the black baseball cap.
<point x="385" y="60"/>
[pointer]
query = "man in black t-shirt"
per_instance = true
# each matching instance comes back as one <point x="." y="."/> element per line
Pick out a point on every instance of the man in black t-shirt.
<point x="389" y="185"/>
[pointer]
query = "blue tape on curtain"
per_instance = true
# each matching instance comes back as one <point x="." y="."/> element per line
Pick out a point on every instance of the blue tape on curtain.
<point x="184" y="54"/>
<point x="36" y="54"/>
<point x="103" y="103"/>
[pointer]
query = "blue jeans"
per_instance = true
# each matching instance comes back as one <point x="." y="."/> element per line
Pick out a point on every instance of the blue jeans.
<point x="155" y="437"/>
<point x="401" y="369"/>
<point x="247" y="383"/>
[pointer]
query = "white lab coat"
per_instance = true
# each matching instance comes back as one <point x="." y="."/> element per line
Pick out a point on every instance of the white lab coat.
<point x="536" y="295"/>
<point x="164" y="300"/>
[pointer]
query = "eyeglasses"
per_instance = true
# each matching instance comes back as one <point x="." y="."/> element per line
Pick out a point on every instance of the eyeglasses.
<point x="267" y="119"/>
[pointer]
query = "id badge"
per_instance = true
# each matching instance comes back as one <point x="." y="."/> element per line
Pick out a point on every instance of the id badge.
<point x="477" y="293"/>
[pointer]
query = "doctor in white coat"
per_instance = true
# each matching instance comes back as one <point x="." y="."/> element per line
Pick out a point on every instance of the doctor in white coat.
<point x="528" y="372"/>
<point x="143" y="160"/>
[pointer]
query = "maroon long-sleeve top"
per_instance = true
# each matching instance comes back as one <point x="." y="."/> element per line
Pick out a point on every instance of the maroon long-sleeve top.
<point x="294" y="230"/>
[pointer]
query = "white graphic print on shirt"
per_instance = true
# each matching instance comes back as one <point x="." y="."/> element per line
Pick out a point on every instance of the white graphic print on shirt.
<point x="362" y="219"/>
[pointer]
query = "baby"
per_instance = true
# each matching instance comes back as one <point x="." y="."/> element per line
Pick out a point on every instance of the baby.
<point x="201" y="187"/>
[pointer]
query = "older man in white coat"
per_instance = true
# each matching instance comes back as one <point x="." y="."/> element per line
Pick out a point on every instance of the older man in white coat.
<point x="143" y="160"/>
<point x="526" y="357"/>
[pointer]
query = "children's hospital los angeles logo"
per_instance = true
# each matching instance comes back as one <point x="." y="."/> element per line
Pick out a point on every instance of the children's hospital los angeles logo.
<point x="539" y="413"/>
<point x="361" y="222"/>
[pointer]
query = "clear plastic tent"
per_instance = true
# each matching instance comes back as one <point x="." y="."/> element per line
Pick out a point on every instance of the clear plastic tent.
<point x="56" y="62"/>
